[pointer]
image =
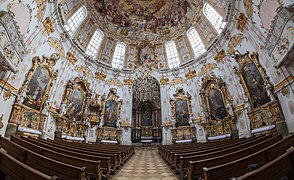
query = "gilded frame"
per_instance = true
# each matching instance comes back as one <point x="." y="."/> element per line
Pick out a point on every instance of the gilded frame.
<point x="244" y="60"/>
<point x="112" y="95"/>
<point x="81" y="85"/>
<point x="45" y="63"/>
<point x="180" y="95"/>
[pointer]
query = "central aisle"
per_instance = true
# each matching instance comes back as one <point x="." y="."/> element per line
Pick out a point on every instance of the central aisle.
<point x="145" y="164"/>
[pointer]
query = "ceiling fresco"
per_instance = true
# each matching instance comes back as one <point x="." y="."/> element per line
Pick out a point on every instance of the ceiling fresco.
<point x="156" y="19"/>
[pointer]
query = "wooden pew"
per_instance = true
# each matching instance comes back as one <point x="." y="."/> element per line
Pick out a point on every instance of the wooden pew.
<point x="195" y="167"/>
<point x="114" y="162"/>
<point x="122" y="152"/>
<point x="238" y="167"/>
<point x="18" y="170"/>
<point x="275" y="169"/>
<point x="41" y="163"/>
<point x="104" y="161"/>
<point x="92" y="167"/>
<point x="235" y="146"/>
<point x="192" y="165"/>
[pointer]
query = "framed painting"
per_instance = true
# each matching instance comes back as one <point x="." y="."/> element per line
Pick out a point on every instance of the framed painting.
<point x="216" y="104"/>
<point x="75" y="104"/>
<point x="146" y="116"/>
<point x="38" y="83"/>
<point x="110" y="114"/>
<point x="111" y="109"/>
<point x="76" y="97"/>
<point x="182" y="112"/>
<point x="37" y="87"/>
<point x="255" y="85"/>
<point x="181" y="108"/>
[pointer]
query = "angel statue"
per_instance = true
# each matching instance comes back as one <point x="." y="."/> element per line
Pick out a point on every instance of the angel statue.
<point x="62" y="109"/>
<point x="229" y="109"/>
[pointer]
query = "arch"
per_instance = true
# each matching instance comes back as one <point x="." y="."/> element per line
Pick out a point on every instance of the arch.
<point x="119" y="55"/>
<point x="172" y="54"/>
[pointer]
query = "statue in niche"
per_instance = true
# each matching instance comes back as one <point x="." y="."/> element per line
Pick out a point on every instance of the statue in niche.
<point x="230" y="109"/>
<point x="22" y="95"/>
<point x="63" y="109"/>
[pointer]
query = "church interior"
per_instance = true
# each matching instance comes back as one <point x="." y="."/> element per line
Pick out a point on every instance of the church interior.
<point x="146" y="89"/>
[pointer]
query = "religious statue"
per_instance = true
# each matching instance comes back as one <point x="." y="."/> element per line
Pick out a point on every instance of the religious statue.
<point x="269" y="91"/>
<point x="73" y="127"/>
<point x="229" y="109"/>
<point x="22" y="95"/>
<point x="62" y="109"/>
<point x="219" y="128"/>
<point x="203" y="115"/>
<point x="46" y="106"/>
<point x="118" y="122"/>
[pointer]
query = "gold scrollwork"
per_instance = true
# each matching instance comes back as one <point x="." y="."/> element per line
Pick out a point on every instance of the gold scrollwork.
<point x="164" y="80"/>
<point x="71" y="58"/>
<point x="220" y="55"/>
<point x="190" y="74"/>
<point x="48" y="24"/>
<point x="100" y="76"/>
<point x="241" y="22"/>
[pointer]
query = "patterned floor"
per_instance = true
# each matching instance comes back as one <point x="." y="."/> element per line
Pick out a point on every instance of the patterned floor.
<point x="146" y="164"/>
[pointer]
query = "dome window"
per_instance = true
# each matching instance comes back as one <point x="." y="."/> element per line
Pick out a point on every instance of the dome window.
<point x="119" y="55"/>
<point x="172" y="54"/>
<point x="76" y="20"/>
<point x="195" y="41"/>
<point x="95" y="43"/>
<point x="214" y="17"/>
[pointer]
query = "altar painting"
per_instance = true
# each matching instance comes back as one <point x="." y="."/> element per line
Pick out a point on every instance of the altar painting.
<point x="37" y="88"/>
<point x="75" y="104"/>
<point x="110" y="114"/>
<point x="255" y="85"/>
<point x="216" y="105"/>
<point x="146" y="115"/>
<point x="182" y="113"/>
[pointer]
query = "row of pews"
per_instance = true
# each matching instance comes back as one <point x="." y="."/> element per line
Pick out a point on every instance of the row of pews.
<point x="233" y="158"/>
<point x="29" y="158"/>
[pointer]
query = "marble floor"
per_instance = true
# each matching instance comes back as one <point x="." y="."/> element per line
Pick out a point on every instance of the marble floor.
<point x="145" y="164"/>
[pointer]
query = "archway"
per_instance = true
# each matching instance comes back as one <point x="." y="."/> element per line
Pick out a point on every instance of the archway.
<point x="146" y="115"/>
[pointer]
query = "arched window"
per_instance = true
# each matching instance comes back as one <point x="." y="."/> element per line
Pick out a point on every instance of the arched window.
<point x="119" y="55"/>
<point x="214" y="17"/>
<point x="76" y="20"/>
<point x="94" y="44"/>
<point x="172" y="54"/>
<point x="195" y="41"/>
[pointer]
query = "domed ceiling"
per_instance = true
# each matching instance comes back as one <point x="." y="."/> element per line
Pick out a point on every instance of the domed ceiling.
<point x="158" y="20"/>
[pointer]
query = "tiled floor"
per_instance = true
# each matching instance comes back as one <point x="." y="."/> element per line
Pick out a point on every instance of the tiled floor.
<point x="146" y="164"/>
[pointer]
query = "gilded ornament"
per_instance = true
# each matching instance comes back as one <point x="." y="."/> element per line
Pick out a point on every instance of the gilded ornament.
<point x="206" y="69"/>
<point x="48" y="25"/>
<point x="6" y="95"/>
<point x="285" y="92"/>
<point x="234" y="42"/>
<point x="86" y="71"/>
<point x="54" y="43"/>
<point x="128" y="81"/>
<point x="241" y="22"/>
<point x="41" y="8"/>
<point x="177" y="81"/>
<point x="71" y="58"/>
<point x="220" y="55"/>
<point x="164" y="81"/>
<point x="249" y="8"/>
<point x="114" y="82"/>
<point x="100" y="76"/>
<point x="191" y="74"/>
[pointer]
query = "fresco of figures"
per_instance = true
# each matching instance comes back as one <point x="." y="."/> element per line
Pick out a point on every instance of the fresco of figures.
<point x="37" y="88"/>
<point x="110" y="114"/>
<point x="75" y="104"/>
<point x="216" y="105"/>
<point x="255" y="85"/>
<point x="182" y="113"/>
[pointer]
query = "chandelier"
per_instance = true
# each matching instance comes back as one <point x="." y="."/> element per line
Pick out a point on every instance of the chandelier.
<point x="145" y="88"/>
